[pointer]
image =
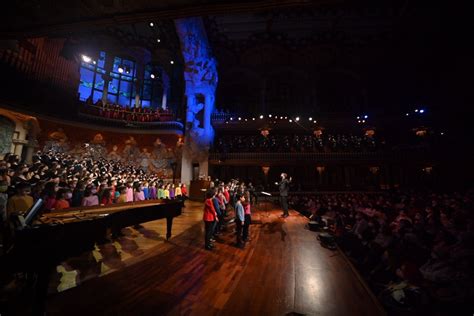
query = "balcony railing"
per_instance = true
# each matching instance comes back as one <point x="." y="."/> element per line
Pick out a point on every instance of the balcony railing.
<point x="128" y="118"/>
<point x="169" y="125"/>
<point x="220" y="116"/>
<point x="318" y="157"/>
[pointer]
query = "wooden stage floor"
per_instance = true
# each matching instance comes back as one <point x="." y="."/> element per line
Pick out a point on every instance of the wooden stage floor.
<point x="282" y="271"/>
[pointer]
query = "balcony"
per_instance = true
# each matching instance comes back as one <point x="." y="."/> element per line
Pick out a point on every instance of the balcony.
<point x="273" y="158"/>
<point x="98" y="115"/>
<point x="170" y="125"/>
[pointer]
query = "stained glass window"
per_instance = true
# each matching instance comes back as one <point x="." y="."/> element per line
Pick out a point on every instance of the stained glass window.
<point x="121" y="89"/>
<point x="85" y="85"/>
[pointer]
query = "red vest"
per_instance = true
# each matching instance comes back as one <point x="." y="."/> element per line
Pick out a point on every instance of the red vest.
<point x="210" y="214"/>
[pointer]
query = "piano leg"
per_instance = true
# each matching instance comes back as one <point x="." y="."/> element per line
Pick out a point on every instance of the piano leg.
<point x="169" y="225"/>
<point x="41" y="290"/>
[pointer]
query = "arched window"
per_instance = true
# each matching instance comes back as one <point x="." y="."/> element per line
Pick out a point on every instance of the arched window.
<point x="122" y="84"/>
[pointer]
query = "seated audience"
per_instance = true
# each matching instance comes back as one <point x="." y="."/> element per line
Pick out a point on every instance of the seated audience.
<point x="414" y="249"/>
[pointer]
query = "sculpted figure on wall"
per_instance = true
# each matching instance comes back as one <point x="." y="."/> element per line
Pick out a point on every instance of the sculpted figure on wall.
<point x="193" y="110"/>
<point x="159" y="149"/>
<point x="159" y="156"/>
<point x="130" y="151"/>
<point x="114" y="155"/>
<point x="157" y="160"/>
<point x="145" y="159"/>
<point x="57" y="142"/>
<point x="97" y="147"/>
<point x="200" y="74"/>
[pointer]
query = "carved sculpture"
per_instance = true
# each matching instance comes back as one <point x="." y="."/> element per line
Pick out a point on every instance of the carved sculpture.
<point x="57" y="142"/>
<point x="201" y="78"/>
<point x="114" y="155"/>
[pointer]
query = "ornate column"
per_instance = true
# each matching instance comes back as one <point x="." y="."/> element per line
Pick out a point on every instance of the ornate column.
<point x="33" y="129"/>
<point x="30" y="141"/>
<point x="109" y="63"/>
<point x="142" y="57"/>
<point x="139" y="75"/>
<point x="200" y="75"/>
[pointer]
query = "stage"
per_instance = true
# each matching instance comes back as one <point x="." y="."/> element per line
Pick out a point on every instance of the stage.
<point x="282" y="270"/>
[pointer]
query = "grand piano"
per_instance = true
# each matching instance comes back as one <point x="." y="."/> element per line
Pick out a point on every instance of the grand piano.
<point x="39" y="245"/>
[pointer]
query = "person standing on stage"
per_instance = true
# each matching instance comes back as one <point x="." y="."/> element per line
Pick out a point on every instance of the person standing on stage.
<point x="217" y="224"/>
<point x="209" y="218"/>
<point x="253" y="195"/>
<point x="248" y="217"/>
<point x="239" y="219"/>
<point x="284" y="187"/>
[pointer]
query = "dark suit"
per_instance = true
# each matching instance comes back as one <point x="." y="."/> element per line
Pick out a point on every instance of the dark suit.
<point x="284" y="187"/>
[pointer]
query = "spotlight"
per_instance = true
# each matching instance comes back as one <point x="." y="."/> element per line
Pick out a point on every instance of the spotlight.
<point x="269" y="115"/>
<point x="422" y="111"/>
<point x="120" y="69"/>
<point x="366" y="116"/>
<point x="416" y="110"/>
<point x="152" y="76"/>
<point x="231" y="118"/>
<point x="407" y="114"/>
<point x="86" y="58"/>
<point x="240" y="118"/>
<point x="442" y="133"/>
<point x="310" y="118"/>
<point x="261" y="116"/>
<point x="151" y="24"/>
<point x="245" y="120"/>
<point x="172" y="62"/>
<point x="94" y="62"/>
<point x="286" y="117"/>
<point x="253" y="118"/>
<point x="158" y="40"/>
<point x="363" y="121"/>
<point x="358" y="117"/>
<point x="281" y="117"/>
<point x="315" y="122"/>
<point x="291" y="121"/>
<point x="359" y="121"/>
<point x="297" y="118"/>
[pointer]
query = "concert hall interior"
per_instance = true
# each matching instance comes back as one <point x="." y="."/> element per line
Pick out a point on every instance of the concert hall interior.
<point x="264" y="157"/>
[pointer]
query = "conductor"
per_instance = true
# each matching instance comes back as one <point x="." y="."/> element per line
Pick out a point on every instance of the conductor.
<point x="284" y="187"/>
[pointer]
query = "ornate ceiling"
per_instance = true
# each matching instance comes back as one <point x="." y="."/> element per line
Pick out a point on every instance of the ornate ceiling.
<point x="37" y="17"/>
<point x="252" y="39"/>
